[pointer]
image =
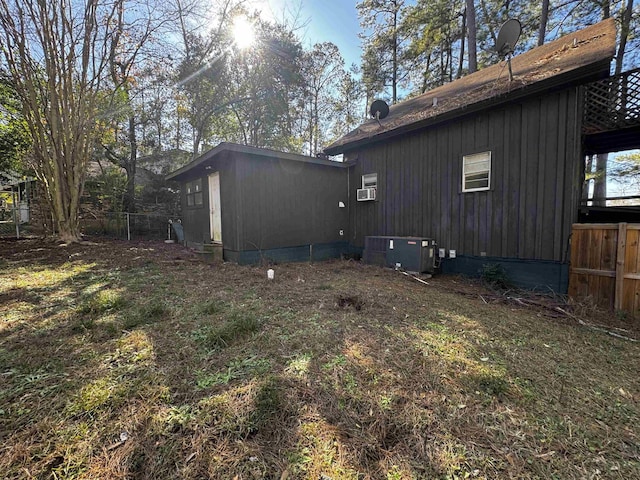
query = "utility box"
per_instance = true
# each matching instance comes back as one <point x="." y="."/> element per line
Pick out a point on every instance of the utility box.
<point x="413" y="254"/>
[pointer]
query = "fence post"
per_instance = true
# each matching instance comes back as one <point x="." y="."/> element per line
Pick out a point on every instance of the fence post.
<point x="16" y="219"/>
<point x="128" y="227"/>
<point x="620" y="255"/>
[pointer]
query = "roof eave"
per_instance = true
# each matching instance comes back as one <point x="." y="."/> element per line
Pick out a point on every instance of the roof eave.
<point x="207" y="157"/>
<point x="571" y="78"/>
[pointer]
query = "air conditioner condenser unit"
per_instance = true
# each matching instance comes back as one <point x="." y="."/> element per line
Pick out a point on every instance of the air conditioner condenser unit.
<point x="413" y="254"/>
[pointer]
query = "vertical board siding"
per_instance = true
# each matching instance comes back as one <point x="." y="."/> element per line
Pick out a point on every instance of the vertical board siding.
<point x="282" y="203"/>
<point x="533" y="200"/>
<point x="196" y="219"/>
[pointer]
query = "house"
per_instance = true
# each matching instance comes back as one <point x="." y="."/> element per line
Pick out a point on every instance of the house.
<point x="23" y="206"/>
<point x="256" y="204"/>
<point x="492" y="169"/>
<point x="489" y="167"/>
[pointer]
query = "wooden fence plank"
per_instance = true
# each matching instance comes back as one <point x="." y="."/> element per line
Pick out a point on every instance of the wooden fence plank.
<point x="594" y="248"/>
<point x="591" y="271"/>
<point x="609" y="246"/>
<point x="601" y="226"/>
<point x="620" y="261"/>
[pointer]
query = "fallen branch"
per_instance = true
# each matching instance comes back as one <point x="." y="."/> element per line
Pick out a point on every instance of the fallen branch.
<point x="596" y="327"/>
<point x="414" y="277"/>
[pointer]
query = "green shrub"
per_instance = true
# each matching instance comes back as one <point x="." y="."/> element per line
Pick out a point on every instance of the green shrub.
<point x="495" y="275"/>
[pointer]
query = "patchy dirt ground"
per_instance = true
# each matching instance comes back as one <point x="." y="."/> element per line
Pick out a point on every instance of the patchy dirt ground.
<point x="139" y="360"/>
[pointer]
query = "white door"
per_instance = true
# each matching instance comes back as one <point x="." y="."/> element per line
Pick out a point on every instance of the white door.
<point x="215" y="220"/>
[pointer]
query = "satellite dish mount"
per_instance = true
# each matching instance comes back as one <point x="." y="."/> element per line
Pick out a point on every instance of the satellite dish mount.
<point x="506" y="41"/>
<point x="379" y="110"/>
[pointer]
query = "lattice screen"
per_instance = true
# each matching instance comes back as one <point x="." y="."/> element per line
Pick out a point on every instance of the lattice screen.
<point x="612" y="103"/>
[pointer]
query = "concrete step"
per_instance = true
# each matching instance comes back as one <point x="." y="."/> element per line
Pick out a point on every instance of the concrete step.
<point x="212" y="252"/>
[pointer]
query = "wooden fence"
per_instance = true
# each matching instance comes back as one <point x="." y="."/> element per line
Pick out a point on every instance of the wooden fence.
<point x="605" y="265"/>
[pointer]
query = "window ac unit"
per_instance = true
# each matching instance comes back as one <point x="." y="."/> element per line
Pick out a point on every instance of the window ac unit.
<point x="365" y="194"/>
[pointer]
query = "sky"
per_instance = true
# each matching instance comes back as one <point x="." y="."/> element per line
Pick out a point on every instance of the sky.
<point x="326" y="21"/>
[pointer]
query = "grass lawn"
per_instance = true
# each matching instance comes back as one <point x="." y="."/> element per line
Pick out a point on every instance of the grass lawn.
<point x="137" y="360"/>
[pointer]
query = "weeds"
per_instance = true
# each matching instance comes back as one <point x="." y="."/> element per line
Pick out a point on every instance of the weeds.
<point x="102" y="302"/>
<point x="268" y="402"/>
<point x="495" y="275"/>
<point x="213" y="307"/>
<point x="145" y="314"/>
<point x="237" y="369"/>
<point x="238" y="326"/>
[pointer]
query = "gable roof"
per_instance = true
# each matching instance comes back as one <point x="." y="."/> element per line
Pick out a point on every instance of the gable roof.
<point x="576" y="56"/>
<point x="207" y="157"/>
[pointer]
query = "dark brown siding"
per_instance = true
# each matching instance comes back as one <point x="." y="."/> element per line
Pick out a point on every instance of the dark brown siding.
<point x="269" y="203"/>
<point x="535" y="179"/>
<point x="196" y="219"/>
<point x="282" y="203"/>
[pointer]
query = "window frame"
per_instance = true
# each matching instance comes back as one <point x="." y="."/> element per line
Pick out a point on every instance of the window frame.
<point x="466" y="158"/>
<point x="194" y="194"/>
<point x="368" y="183"/>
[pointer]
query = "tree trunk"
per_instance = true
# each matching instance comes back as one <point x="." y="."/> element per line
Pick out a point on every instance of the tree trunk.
<point x="600" y="185"/>
<point x="394" y="73"/>
<point x="462" y="37"/>
<point x="473" y="43"/>
<point x="130" y="167"/>
<point x="588" y="167"/>
<point x="544" y="17"/>
<point x="624" y="35"/>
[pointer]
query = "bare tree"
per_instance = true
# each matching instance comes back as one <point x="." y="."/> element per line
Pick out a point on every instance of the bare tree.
<point x="55" y="54"/>
<point x="323" y="67"/>
<point x="128" y="53"/>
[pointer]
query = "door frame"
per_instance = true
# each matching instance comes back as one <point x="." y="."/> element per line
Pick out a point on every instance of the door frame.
<point x="215" y="214"/>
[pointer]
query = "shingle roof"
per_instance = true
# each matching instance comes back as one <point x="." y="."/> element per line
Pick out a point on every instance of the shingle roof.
<point x="566" y="59"/>
<point x="225" y="147"/>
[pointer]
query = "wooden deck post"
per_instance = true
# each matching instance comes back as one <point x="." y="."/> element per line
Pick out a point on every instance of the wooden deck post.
<point x="620" y="257"/>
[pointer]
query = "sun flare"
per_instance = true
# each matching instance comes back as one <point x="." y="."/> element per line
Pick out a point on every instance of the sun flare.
<point x="243" y="33"/>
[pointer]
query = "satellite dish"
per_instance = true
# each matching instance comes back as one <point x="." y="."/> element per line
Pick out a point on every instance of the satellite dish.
<point x="507" y="38"/>
<point x="379" y="109"/>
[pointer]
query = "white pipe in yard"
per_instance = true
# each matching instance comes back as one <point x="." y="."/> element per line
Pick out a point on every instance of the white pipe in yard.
<point x="128" y="227"/>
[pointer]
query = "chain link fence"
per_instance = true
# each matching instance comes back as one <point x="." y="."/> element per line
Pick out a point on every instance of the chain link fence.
<point x="127" y="226"/>
<point x="8" y="225"/>
<point x="124" y="226"/>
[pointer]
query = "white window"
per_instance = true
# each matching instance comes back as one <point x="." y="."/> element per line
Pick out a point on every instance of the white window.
<point x="370" y="180"/>
<point x="476" y="172"/>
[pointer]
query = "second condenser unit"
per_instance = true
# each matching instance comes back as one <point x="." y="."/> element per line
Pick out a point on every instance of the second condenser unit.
<point x="413" y="254"/>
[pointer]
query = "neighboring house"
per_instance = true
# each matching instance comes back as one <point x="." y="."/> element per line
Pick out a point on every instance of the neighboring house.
<point x="16" y="193"/>
<point x="262" y="204"/>
<point x="490" y="168"/>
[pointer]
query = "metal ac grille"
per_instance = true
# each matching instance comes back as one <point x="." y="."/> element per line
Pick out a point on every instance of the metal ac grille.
<point x="612" y="103"/>
<point x="375" y="244"/>
<point x="375" y="250"/>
